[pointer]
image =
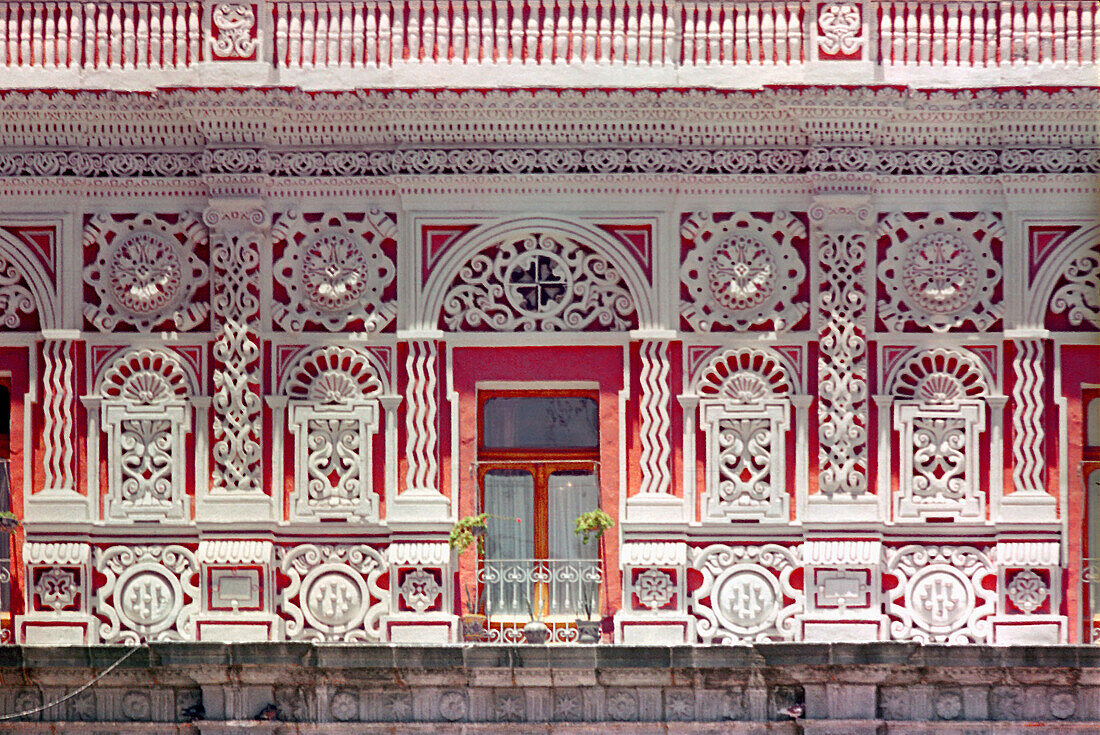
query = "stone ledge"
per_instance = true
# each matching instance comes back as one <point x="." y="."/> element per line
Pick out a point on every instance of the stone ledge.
<point x="313" y="688"/>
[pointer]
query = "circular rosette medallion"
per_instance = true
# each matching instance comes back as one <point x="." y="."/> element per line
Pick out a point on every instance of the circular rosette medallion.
<point x="149" y="598"/>
<point x="940" y="598"/>
<point x="337" y="272"/>
<point x="334" y="598"/>
<point x="741" y="273"/>
<point x="145" y="273"/>
<point x="742" y="270"/>
<point x="746" y="598"/>
<point x="941" y="275"/>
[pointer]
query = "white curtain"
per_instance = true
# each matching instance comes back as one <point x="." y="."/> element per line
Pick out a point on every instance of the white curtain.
<point x="510" y="494"/>
<point x="570" y="494"/>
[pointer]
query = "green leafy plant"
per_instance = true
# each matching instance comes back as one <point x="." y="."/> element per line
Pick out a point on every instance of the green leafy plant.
<point x="472" y="528"/>
<point x="8" y="521"/>
<point x="467" y="530"/>
<point x="592" y="524"/>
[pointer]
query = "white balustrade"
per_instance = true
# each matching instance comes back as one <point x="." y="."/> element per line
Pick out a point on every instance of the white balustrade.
<point x="103" y="35"/>
<point x="56" y="34"/>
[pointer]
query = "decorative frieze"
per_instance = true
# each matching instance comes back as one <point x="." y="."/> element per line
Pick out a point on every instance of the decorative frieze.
<point x="334" y="594"/>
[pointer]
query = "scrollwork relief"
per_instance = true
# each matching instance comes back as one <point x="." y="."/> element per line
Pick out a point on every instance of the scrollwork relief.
<point x="940" y="596"/>
<point x="334" y="593"/>
<point x="538" y="281"/>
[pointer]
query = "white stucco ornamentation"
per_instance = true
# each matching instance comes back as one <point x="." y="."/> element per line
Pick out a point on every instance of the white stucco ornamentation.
<point x="841" y="27"/>
<point x="336" y="270"/>
<point x="744" y="410"/>
<point x="939" y="414"/>
<point x="744" y="593"/>
<point x="940" y="595"/>
<point x="334" y="413"/>
<point x="538" y="281"/>
<point x="144" y="405"/>
<point x="234" y="23"/>
<point x="1078" y="297"/>
<point x="742" y="270"/>
<point x="940" y="271"/>
<point x="334" y="593"/>
<point x="148" y="595"/>
<point x="146" y="271"/>
<point x="15" y="297"/>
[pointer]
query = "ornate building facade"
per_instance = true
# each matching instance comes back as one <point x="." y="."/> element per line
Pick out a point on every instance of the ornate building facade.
<point x="804" y="296"/>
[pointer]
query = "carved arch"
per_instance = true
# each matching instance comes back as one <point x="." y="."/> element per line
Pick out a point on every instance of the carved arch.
<point x="720" y="374"/>
<point x="484" y="238"/>
<point x="1083" y="244"/>
<point x="299" y="380"/>
<point x="147" y="376"/>
<point x="16" y="255"/>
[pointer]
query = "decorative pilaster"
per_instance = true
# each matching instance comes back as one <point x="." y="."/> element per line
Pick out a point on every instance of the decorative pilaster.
<point x="59" y="499"/>
<point x="421" y="500"/>
<point x="840" y="238"/>
<point x="1028" y="501"/>
<point x="654" y="502"/>
<point x="237" y="231"/>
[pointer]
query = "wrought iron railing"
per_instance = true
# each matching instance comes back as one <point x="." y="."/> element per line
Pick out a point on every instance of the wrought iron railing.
<point x="1090" y="598"/>
<point x="5" y="556"/>
<point x="545" y="587"/>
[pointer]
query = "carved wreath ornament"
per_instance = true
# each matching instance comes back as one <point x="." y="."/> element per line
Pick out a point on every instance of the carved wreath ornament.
<point x="741" y="271"/>
<point x="538" y="281"/>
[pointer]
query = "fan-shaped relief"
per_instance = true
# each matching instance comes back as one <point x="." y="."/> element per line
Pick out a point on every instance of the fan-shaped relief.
<point x="940" y="595"/>
<point x="337" y="271"/>
<point x="149" y="594"/>
<point x="334" y="414"/>
<point x="334" y="593"/>
<point x="538" y="281"/>
<point x="940" y="271"/>
<point x="742" y="270"/>
<point x="744" y="411"/>
<point x="143" y="395"/>
<point x="146" y="271"/>
<point x="1077" y="291"/>
<point x="939" y="414"/>
<point x="746" y="593"/>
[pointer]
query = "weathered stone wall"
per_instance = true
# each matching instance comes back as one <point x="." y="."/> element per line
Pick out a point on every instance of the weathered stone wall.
<point x="844" y="688"/>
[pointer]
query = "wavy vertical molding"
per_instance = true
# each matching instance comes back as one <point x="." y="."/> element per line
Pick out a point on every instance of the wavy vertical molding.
<point x="237" y="233"/>
<point x="655" y="419"/>
<point x="421" y="499"/>
<point x="58" y="401"/>
<point x="1027" y="417"/>
<point x="421" y="416"/>
<point x="1026" y="500"/>
<point x="841" y="237"/>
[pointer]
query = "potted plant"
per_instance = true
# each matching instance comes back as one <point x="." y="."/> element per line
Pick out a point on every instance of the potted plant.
<point x="9" y="522"/>
<point x="468" y="530"/>
<point x="590" y="525"/>
<point x="536" y="631"/>
<point x="588" y="629"/>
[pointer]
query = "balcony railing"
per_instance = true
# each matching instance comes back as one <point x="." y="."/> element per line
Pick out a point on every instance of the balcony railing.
<point x="5" y="557"/>
<point x="173" y="34"/>
<point x="550" y="587"/>
<point x="1090" y="596"/>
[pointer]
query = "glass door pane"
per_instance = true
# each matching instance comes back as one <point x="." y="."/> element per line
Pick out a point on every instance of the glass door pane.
<point x="573" y="566"/>
<point x="509" y="546"/>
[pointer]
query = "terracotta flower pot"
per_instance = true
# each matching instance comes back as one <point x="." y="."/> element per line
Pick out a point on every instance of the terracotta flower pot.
<point x="475" y="628"/>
